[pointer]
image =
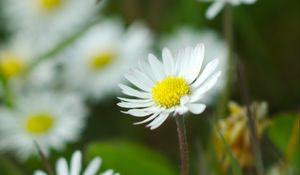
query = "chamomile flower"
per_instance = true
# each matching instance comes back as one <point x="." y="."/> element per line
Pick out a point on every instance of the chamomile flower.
<point x="62" y="167"/>
<point x="218" y="5"/>
<point x="174" y="86"/>
<point x="215" y="48"/>
<point x="50" y="119"/>
<point x="104" y="53"/>
<point x="15" y="59"/>
<point x="55" y="19"/>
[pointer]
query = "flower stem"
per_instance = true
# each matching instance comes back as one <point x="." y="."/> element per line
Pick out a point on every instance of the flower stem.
<point x="251" y="119"/>
<point x="229" y="38"/>
<point x="184" y="151"/>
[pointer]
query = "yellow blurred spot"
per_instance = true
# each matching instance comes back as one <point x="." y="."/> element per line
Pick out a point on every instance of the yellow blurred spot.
<point x="234" y="108"/>
<point x="10" y="66"/>
<point x="39" y="123"/>
<point x="48" y="5"/>
<point x="99" y="61"/>
<point x="168" y="92"/>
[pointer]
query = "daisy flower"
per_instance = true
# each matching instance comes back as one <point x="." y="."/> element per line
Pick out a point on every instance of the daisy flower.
<point x="75" y="166"/>
<point x="174" y="85"/>
<point x="218" y="5"/>
<point x="50" y="119"/>
<point x="15" y="59"/>
<point x="187" y="36"/>
<point x="55" y="19"/>
<point x="99" y="59"/>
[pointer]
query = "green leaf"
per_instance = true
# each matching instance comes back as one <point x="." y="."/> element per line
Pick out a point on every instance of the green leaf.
<point x="281" y="129"/>
<point x="285" y="135"/>
<point x="8" y="168"/>
<point x="129" y="158"/>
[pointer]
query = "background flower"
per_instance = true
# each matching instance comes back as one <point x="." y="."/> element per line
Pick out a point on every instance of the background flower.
<point x="50" y="119"/>
<point x="99" y="59"/>
<point x="75" y="166"/>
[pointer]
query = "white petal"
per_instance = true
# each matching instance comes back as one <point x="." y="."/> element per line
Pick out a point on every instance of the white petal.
<point x="184" y="99"/>
<point x="133" y="92"/>
<point x="139" y="79"/>
<point x="196" y="108"/>
<point x="147" y="120"/>
<point x="208" y="70"/>
<point x="142" y="112"/>
<point x="249" y="1"/>
<point x="180" y="110"/>
<point x="185" y="57"/>
<point x="75" y="163"/>
<point x="135" y="105"/>
<point x="205" y="87"/>
<point x="214" y="9"/>
<point x="158" y="121"/>
<point x="39" y="172"/>
<point x="196" y="62"/>
<point x="145" y="67"/>
<point x="93" y="167"/>
<point x="156" y="67"/>
<point x="108" y="172"/>
<point x="62" y="167"/>
<point x="168" y="62"/>
<point x="134" y="100"/>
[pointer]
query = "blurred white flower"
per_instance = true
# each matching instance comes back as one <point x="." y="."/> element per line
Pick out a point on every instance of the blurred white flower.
<point x="215" y="48"/>
<point x="17" y="56"/>
<point x="75" y="167"/>
<point x="95" y="65"/>
<point x="50" y="119"/>
<point x="218" y="5"/>
<point x="48" y="21"/>
<point x="174" y="85"/>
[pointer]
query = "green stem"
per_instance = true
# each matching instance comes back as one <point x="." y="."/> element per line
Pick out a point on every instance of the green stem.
<point x="7" y="95"/>
<point x="184" y="151"/>
<point x="251" y="119"/>
<point x="228" y="34"/>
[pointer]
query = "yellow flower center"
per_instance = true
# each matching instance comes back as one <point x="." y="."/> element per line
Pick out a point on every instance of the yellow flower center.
<point x="39" y="123"/>
<point x="168" y="92"/>
<point x="49" y="5"/>
<point x="11" y="66"/>
<point x="99" y="61"/>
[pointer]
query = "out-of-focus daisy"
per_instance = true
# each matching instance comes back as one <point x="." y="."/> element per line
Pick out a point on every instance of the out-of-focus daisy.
<point x="15" y="59"/>
<point x="62" y="167"/>
<point x="175" y="85"/>
<point x="50" y="19"/>
<point x="237" y="134"/>
<point x="218" y="5"/>
<point x="95" y="65"/>
<point x="215" y="48"/>
<point x="50" y="119"/>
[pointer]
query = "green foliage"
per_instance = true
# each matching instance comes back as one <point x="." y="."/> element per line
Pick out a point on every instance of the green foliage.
<point x="7" y="167"/>
<point x="131" y="158"/>
<point x="284" y="134"/>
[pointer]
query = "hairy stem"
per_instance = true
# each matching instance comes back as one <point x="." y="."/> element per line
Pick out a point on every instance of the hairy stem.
<point x="184" y="151"/>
